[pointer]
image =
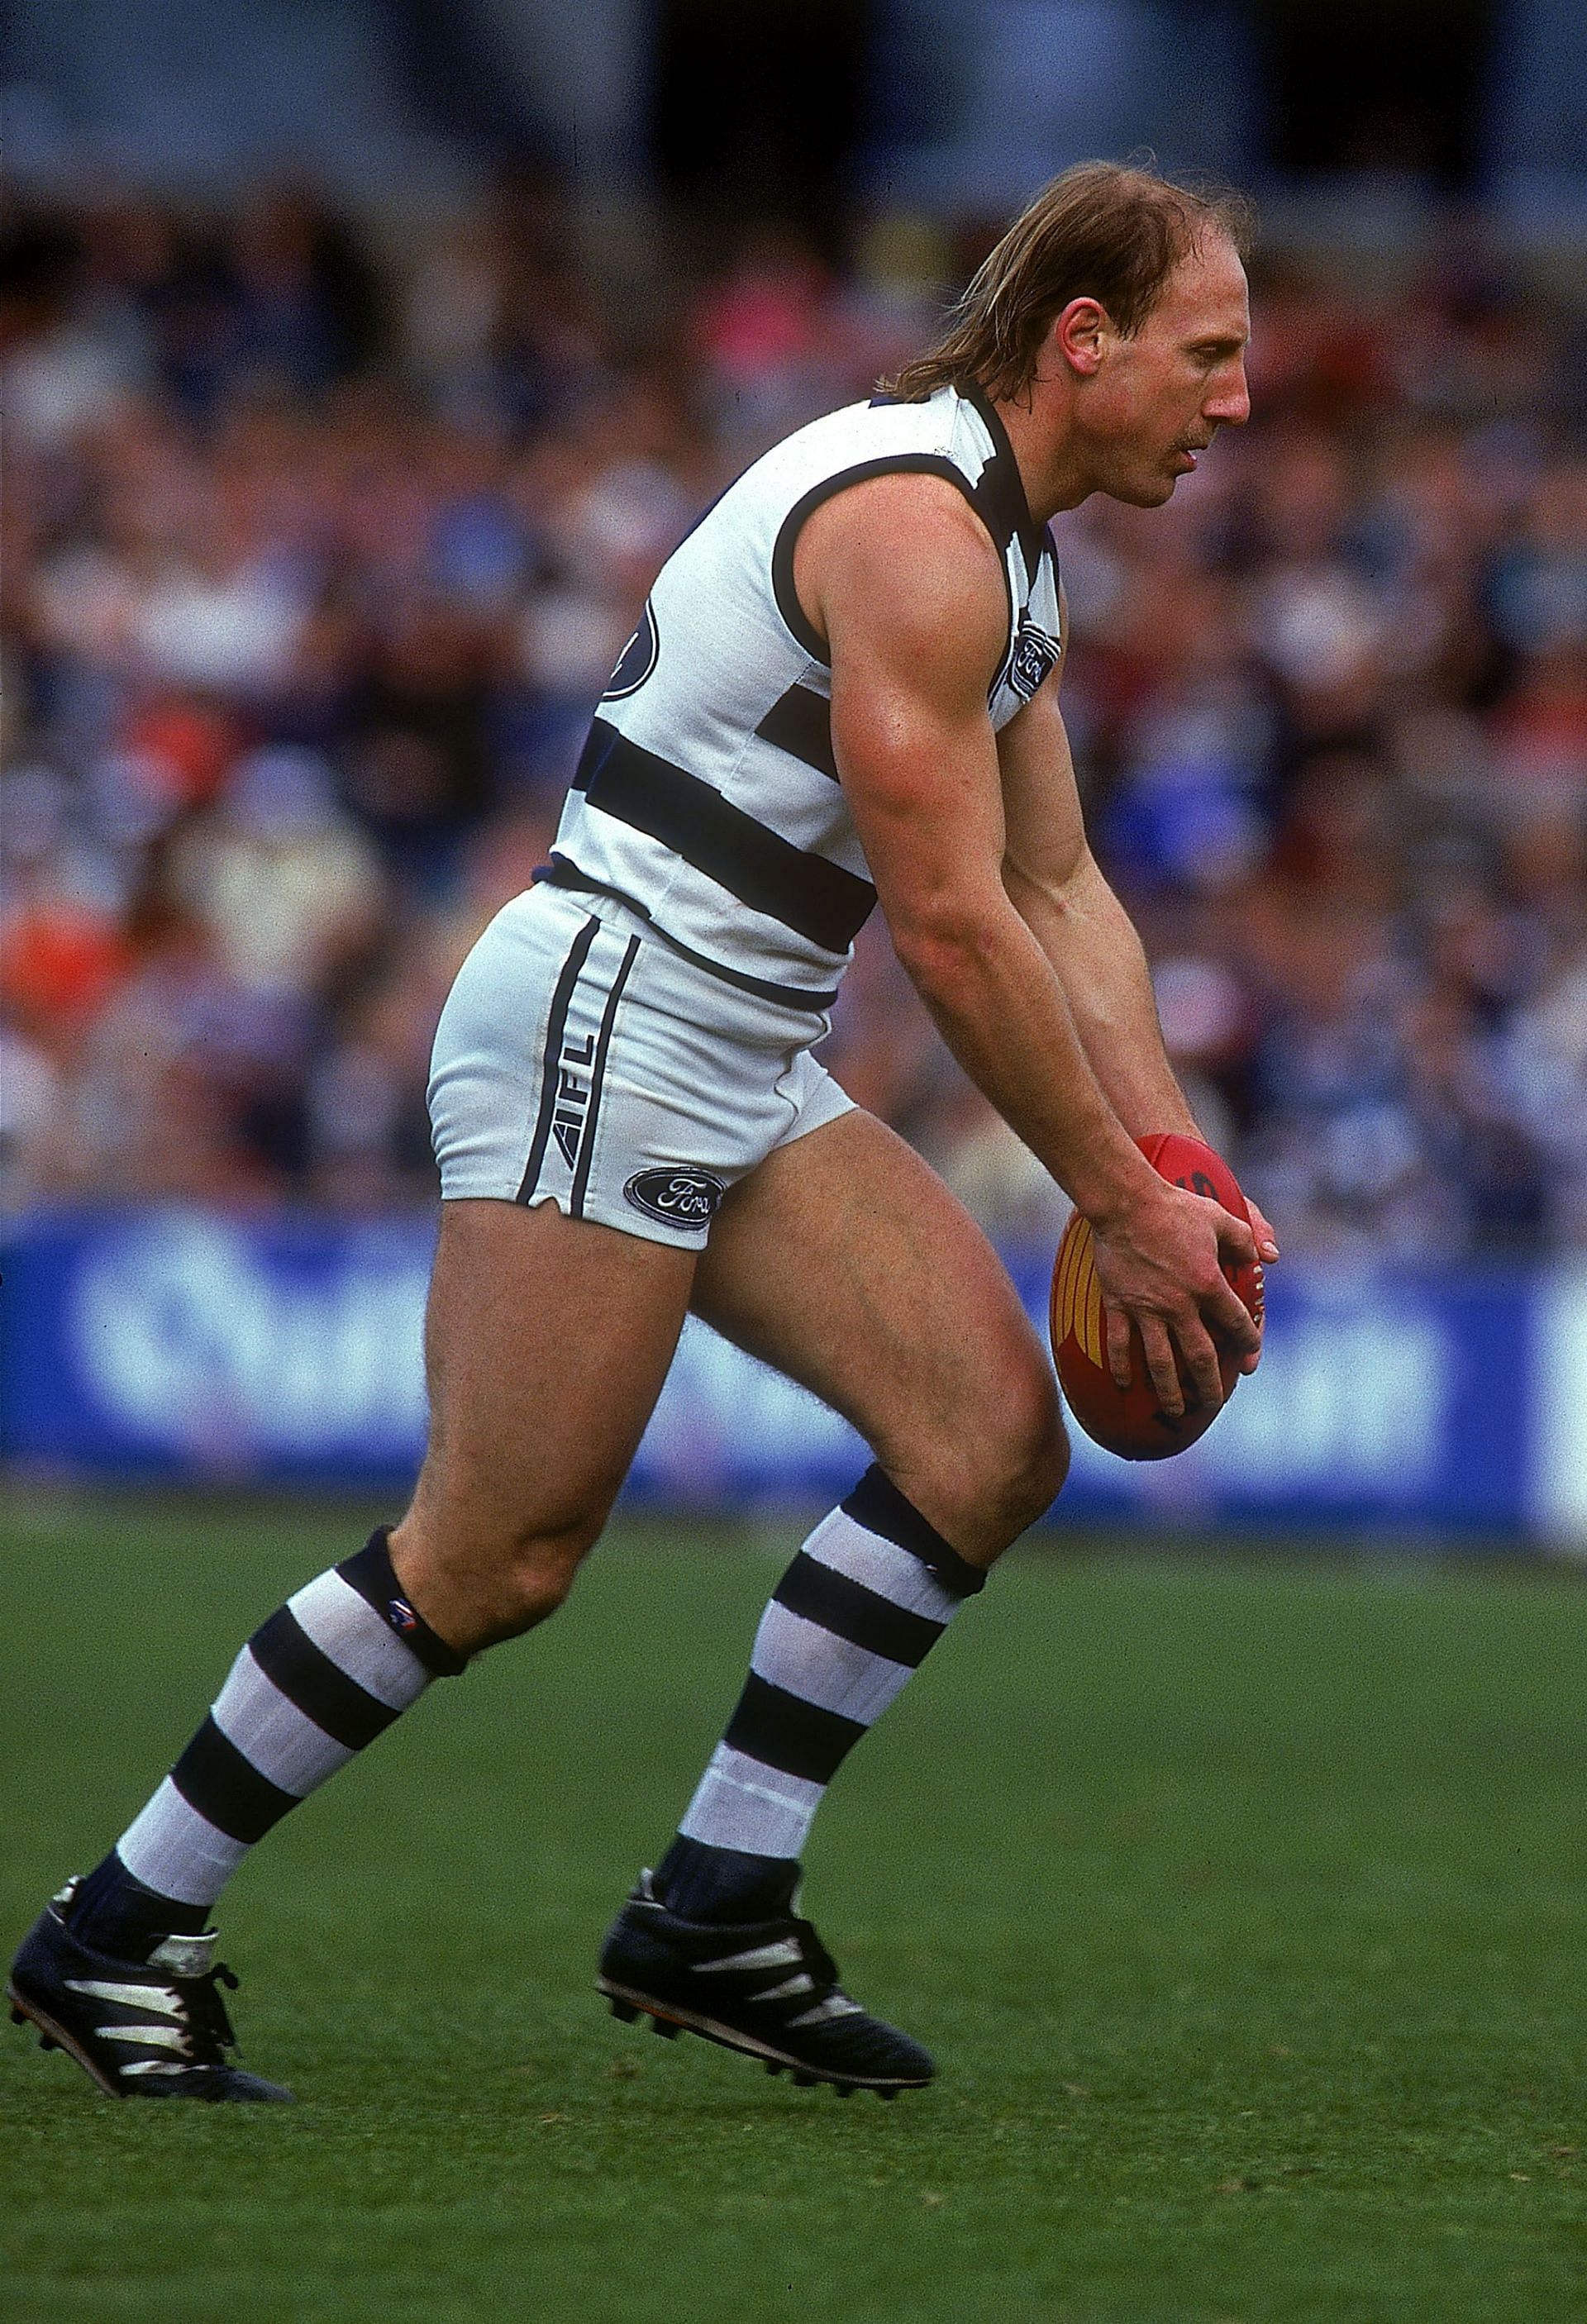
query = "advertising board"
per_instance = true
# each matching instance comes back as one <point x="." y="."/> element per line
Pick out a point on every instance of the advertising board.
<point x="180" y="1345"/>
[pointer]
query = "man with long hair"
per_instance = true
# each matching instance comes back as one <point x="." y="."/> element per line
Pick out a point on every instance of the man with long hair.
<point x="844" y="689"/>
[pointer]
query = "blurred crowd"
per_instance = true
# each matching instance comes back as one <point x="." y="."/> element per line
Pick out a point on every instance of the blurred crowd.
<point x="317" y="558"/>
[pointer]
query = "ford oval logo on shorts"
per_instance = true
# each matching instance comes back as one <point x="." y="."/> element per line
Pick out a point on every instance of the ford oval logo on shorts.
<point x="681" y="1197"/>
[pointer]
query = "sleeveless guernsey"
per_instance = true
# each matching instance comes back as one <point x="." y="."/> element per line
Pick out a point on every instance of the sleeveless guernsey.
<point x="707" y="795"/>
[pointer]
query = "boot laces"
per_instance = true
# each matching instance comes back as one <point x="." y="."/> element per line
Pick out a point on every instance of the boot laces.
<point x="209" y="2025"/>
<point x="817" y="1961"/>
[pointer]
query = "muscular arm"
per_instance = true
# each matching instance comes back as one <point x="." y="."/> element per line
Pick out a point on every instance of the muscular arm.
<point x="899" y="576"/>
<point x="912" y="643"/>
<point x="1055" y="885"/>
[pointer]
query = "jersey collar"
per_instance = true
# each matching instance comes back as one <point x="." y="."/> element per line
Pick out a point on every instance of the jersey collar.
<point x="1002" y="487"/>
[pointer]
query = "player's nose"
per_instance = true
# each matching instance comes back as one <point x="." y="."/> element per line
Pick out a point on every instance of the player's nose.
<point x="1231" y="405"/>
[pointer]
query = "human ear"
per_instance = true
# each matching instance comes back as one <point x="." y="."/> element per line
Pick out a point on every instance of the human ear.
<point x="1076" y="336"/>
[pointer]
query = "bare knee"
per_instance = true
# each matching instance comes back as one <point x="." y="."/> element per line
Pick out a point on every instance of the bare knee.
<point x="533" y="1578"/>
<point x="1000" y="1470"/>
<point x="1049" y="1470"/>
<point x="477" y="1583"/>
<point x="1028" y="1460"/>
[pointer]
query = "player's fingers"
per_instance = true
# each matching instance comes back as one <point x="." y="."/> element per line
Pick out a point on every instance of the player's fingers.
<point x="1249" y="1363"/>
<point x="1223" y="1311"/>
<point x="1236" y="1241"/>
<point x="1266" y="1240"/>
<point x="1200" y="1359"/>
<point x="1160" y="1364"/>
<point x="1120" y="1365"/>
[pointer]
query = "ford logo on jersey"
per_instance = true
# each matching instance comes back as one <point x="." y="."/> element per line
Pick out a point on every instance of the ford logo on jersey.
<point x="1034" y="653"/>
<point x="637" y="661"/>
<point x="682" y="1196"/>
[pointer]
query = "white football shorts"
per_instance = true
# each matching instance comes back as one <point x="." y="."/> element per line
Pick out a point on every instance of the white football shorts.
<point x="580" y="1060"/>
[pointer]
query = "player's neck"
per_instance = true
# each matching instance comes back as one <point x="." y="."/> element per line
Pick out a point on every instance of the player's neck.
<point x="1049" y="459"/>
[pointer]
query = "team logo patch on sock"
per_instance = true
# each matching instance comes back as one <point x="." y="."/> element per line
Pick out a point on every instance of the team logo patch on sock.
<point x="400" y="1616"/>
<point x="683" y="1196"/>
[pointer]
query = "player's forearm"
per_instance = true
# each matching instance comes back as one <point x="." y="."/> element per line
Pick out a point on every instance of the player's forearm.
<point x="1005" y="1015"/>
<point x="1086" y="934"/>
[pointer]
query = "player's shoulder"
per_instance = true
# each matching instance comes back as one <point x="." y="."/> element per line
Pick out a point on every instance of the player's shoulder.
<point x="911" y="504"/>
<point x="908" y="528"/>
<point x="891" y="499"/>
<point x="869" y="436"/>
<point x="901" y="569"/>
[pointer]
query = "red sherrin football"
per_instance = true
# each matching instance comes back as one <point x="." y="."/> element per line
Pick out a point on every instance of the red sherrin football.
<point x="1130" y="1421"/>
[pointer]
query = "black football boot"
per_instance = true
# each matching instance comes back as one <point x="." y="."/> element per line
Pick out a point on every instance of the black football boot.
<point x="156" y="2028"/>
<point x="768" y="1989"/>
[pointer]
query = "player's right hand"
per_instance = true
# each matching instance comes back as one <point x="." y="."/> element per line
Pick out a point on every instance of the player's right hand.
<point x="1158" y="1260"/>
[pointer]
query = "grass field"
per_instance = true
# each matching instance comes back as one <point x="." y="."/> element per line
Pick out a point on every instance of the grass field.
<point x="1244" y="1905"/>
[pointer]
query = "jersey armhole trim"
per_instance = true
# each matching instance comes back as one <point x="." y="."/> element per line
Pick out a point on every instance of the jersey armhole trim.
<point x="918" y="464"/>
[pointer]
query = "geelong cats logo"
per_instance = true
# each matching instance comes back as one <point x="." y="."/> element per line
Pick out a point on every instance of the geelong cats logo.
<point x="637" y="661"/>
<point x="1034" y="653"/>
<point x="683" y="1196"/>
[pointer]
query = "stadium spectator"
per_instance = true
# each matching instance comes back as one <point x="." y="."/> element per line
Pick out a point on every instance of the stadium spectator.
<point x="315" y="574"/>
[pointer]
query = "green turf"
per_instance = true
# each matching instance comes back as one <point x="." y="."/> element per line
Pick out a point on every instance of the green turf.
<point x="1242" y="1906"/>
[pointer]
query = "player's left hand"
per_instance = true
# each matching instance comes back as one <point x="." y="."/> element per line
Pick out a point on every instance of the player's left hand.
<point x="1267" y="1244"/>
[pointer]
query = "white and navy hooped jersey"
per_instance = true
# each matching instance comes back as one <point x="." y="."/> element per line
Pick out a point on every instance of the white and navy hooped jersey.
<point x="707" y="795"/>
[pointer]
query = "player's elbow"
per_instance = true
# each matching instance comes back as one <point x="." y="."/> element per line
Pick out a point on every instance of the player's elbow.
<point x="1060" y="884"/>
<point x="944" y="945"/>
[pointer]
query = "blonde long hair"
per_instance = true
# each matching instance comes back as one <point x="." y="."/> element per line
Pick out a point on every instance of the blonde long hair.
<point x="1103" y="230"/>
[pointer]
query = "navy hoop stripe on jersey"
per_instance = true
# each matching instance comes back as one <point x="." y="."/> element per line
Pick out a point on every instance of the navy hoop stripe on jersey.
<point x="338" y="1706"/>
<point x="745" y="855"/>
<point x="559" y="872"/>
<point x="799" y="722"/>
<point x="581" y="1176"/>
<point x="848" y="1609"/>
<point x="227" y="1790"/>
<point x="578" y="953"/>
<point x="783" y="1730"/>
<point x="811" y="894"/>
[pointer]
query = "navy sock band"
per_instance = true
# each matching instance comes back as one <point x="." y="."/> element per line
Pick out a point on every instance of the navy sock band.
<point x="877" y="1503"/>
<point x="702" y="1883"/>
<point x="116" y="1913"/>
<point x="372" y="1575"/>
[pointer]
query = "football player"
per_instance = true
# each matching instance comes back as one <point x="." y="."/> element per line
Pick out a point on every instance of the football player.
<point x="844" y="690"/>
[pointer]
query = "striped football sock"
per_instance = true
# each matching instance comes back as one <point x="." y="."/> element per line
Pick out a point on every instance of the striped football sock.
<point x="866" y="1598"/>
<point x="330" y="1670"/>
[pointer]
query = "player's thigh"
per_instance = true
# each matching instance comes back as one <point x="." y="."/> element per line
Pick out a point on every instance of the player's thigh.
<point x="547" y="1340"/>
<point x="845" y="1261"/>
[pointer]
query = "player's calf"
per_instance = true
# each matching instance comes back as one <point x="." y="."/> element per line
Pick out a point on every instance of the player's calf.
<point x="710" y="1942"/>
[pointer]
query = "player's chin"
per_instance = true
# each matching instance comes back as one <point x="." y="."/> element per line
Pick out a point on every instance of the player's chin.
<point x="1148" y="492"/>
